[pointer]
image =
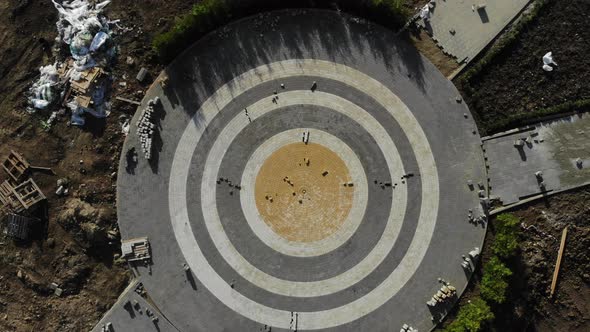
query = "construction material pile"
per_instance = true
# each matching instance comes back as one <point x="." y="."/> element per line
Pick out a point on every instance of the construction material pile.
<point x="19" y="196"/>
<point x="446" y="292"/>
<point x="81" y="81"/>
<point x="146" y="128"/>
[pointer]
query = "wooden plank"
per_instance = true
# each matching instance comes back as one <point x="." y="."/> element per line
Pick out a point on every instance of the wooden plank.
<point x="42" y="169"/>
<point x="558" y="263"/>
<point x="16" y="166"/>
<point x="128" y="100"/>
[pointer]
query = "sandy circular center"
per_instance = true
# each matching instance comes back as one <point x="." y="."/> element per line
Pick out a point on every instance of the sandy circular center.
<point x="304" y="192"/>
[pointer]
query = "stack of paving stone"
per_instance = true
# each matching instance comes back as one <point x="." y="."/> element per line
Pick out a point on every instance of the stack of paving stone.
<point x="469" y="262"/>
<point x="446" y="292"/>
<point x="146" y="128"/>
<point x="407" y="328"/>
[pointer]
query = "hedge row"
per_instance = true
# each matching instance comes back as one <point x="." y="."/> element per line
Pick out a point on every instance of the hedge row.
<point x="495" y="280"/>
<point x="209" y="15"/>
<point x="396" y="6"/>
<point x="521" y="119"/>
<point x="506" y="235"/>
<point x="203" y="18"/>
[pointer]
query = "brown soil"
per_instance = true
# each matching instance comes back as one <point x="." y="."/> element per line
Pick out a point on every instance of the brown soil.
<point x="424" y="43"/>
<point x="529" y="307"/>
<point x="570" y="308"/>
<point x="514" y="81"/>
<point x="72" y="247"/>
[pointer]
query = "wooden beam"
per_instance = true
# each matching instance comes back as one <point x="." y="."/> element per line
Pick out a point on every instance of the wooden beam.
<point x="128" y="100"/>
<point x="42" y="169"/>
<point x="558" y="263"/>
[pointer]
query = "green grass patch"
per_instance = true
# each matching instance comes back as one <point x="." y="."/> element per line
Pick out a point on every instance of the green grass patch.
<point x="203" y="18"/>
<point x="471" y="317"/>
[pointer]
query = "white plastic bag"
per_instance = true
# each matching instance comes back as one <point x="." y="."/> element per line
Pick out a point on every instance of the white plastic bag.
<point x="99" y="39"/>
<point x="78" y="15"/>
<point x="125" y="126"/>
<point x="40" y="104"/>
<point x="41" y="92"/>
<point x="84" y="63"/>
<point x="548" y="62"/>
<point x="425" y="12"/>
<point x="548" y="59"/>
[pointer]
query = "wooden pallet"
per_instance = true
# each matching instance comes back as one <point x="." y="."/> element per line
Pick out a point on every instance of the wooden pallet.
<point x="8" y="198"/>
<point x="28" y="194"/>
<point x="16" y="166"/>
<point x="22" y="197"/>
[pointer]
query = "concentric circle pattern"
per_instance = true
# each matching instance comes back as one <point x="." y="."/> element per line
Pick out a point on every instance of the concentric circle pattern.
<point x="312" y="176"/>
<point x="357" y="195"/>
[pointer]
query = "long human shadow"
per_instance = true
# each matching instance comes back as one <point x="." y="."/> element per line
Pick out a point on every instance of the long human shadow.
<point x="483" y="15"/>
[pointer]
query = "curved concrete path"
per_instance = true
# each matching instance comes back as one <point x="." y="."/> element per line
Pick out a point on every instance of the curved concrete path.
<point x="379" y="105"/>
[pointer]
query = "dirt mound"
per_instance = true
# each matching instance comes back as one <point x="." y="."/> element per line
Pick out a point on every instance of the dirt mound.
<point x="90" y="224"/>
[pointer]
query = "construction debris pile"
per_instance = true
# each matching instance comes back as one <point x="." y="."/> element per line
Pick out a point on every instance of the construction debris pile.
<point x="407" y="328"/>
<point x="470" y="262"/>
<point x="79" y="83"/>
<point x="19" y="197"/>
<point x="446" y="292"/>
<point x="136" y="250"/>
<point x="146" y="128"/>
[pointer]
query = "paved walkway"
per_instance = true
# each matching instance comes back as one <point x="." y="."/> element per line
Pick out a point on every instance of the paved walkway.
<point x="553" y="149"/>
<point x="132" y="312"/>
<point x="473" y="29"/>
<point x="387" y="109"/>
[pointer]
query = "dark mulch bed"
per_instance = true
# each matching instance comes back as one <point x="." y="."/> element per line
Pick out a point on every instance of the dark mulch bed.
<point x="514" y="83"/>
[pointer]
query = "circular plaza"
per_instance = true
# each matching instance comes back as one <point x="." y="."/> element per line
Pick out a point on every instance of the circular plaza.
<point x="309" y="174"/>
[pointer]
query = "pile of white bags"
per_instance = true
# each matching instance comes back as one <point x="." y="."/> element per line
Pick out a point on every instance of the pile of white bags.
<point x="87" y="33"/>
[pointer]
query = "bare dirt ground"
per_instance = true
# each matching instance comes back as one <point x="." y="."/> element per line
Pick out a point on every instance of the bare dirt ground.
<point x="424" y="43"/>
<point x="78" y="246"/>
<point x="528" y="306"/>
<point x="545" y="220"/>
<point x="515" y="83"/>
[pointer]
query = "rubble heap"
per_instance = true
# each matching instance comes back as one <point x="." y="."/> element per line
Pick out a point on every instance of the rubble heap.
<point x="79" y="82"/>
<point x="136" y="250"/>
<point x="19" y="197"/>
<point x="19" y="227"/>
